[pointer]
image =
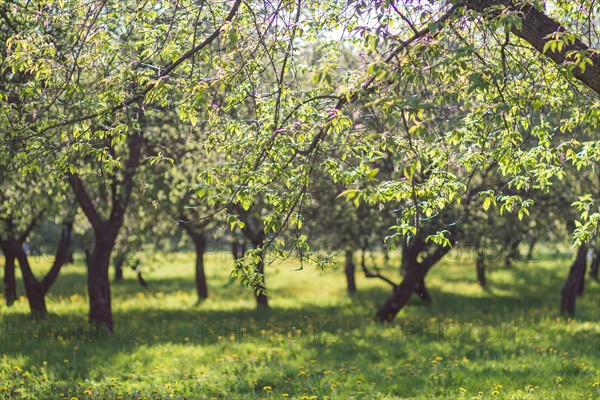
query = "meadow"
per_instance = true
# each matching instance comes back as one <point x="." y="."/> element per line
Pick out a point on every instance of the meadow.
<point x="316" y="342"/>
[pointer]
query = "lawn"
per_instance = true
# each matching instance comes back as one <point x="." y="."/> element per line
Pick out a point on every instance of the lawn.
<point x="315" y="342"/>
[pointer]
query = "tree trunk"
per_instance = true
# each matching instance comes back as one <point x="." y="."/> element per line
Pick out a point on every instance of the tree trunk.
<point x="572" y="285"/>
<point x="513" y="253"/>
<point x="98" y="281"/>
<point x="261" y="298"/>
<point x="531" y="249"/>
<point x="10" y="281"/>
<point x="70" y="257"/>
<point x="480" y="265"/>
<point x="595" y="264"/>
<point x="33" y="289"/>
<point x="238" y="249"/>
<point x="201" y="285"/>
<point x="415" y="275"/>
<point x="118" y="262"/>
<point x="350" y="270"/>
<point x="401" y="295"/>
<point x="422" y="292"/>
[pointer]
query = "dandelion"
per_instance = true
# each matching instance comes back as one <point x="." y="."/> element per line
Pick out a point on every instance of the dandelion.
<point x="439" y="358"/>
<point x="17" y="368"/>
<point x="87" y="392"/>
<point x="495" y="393"/>
<point x="463" y="390"/>
<point x="285" y="395"/>
<point x="267" y="388"/>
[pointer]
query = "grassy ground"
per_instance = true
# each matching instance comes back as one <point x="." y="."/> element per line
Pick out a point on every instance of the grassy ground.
<point x="315" y="342"/>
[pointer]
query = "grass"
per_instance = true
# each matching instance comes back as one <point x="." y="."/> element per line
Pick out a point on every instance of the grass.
<point x="315" y="342"/>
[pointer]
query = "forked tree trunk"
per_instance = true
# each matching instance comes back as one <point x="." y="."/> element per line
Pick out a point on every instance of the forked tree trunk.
<point x="106" y="231"/>
<point x="9" y="280"/>
<point x="350" y="271"/>
<point x="572" y="285"/>
<point x="33" y="288"/>
<point x="415" y="275"/>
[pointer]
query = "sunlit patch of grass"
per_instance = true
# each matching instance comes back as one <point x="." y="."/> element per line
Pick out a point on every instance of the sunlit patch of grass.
<point x="503" y="342"/>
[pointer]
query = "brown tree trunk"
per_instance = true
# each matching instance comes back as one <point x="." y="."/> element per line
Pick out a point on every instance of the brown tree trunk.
<point x="9" y="280"/>
<point x="201" y="285"/>
<point x="572" y="285"/>
<point x="261" y="298"/>
<point x="350" y="270"/>
<point x="480" y="265"/>
<point x="422" y="292"/>
<point x="595" y="264"/>
<point x="118" y="262"/>
<point x="98" y="282"/>
<point x="401" y="295"/>
<point x="415" y="275"/>
<point x="33" y="289"/>
<point x="238" y="249"/>
<point x="513" y="253"/>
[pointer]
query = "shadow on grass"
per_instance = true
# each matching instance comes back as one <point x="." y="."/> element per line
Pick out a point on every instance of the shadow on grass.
<point x="334" y="334"/>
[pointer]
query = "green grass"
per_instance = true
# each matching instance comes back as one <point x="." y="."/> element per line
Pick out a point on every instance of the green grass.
<point x="505" y="343"/>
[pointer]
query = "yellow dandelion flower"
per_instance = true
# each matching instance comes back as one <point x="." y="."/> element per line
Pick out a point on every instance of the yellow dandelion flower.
<point x="267" y="388"/>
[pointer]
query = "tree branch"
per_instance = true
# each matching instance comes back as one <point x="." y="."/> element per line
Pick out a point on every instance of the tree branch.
<point x="538" y="29"/>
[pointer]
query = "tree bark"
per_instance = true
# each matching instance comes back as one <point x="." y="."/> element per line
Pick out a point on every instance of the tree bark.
<point x="9" y="280"/>
<point x="201" y="285"/>
<point x="415" y="274"/>
<point x="350" y="270"/>
<point x="98" y="281"/>
<point x="196" y="233"/>
<point x="422" y="292"/>
<point x="106" y="231"/>
<point x="571" y="287"/>
<point x="401" y="295"/>
<point x="33" y="288"/>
